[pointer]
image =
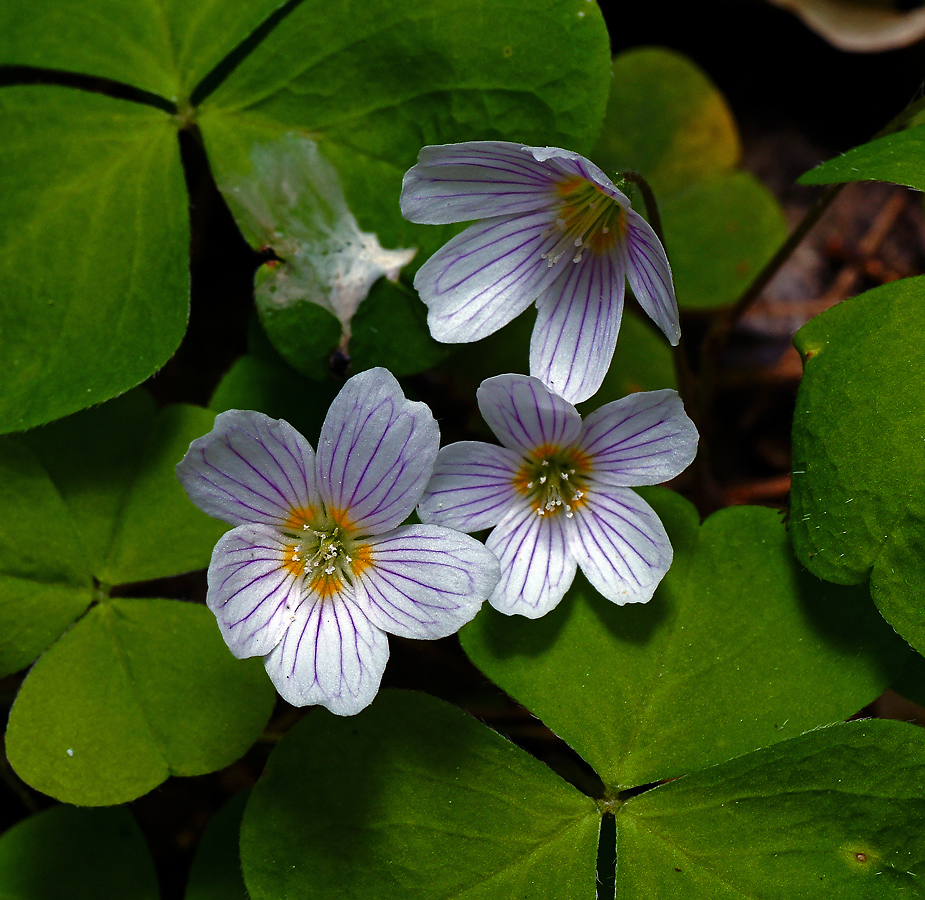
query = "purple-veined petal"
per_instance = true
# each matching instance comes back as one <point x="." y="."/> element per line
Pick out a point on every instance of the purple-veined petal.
<point x="472" y="486"/>
<point x="251" y="591"/>
<point x="487" y="275"/>
<point x="537" y="566"/>
<point x="569" y="163"/>
<point x="250" y="469"/>
<point x="649" y="275"/>
<point x="475" y="180"/>
<point x="645" y="438"/>
<point x="331" y="655"/>
<point x="576" y="328"/>
<point x="375" y="454"/>
<point x="525" y="415"/>
<point x="424" y="581"/>
<point x="621" y="544"/>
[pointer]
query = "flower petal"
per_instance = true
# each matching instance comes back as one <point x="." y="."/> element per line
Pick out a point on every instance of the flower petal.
<point x="474" y="180"/>
<point x="250" y="590"/>
<point x="645" y="438"/>
<point x="472" y="486"/>
<point x="376" y="453"/>
<point x="649" y="275"/>
<point x="250" y="469"/>
<point x="621" y="545"/>
<point x="537" y="566"/>
<point x="526" y="415"/>
<point x="486" y="276"/>
<point x="424" y="581"/>
<point x="569" y="163"/>
<point x="576" y="329"/>
<point x="332" y="655"/>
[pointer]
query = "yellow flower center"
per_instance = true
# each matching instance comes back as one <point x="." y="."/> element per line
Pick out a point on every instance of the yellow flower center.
<point x="588" y="219"/>
<point x="324" y="550"/>
<point x="555" y="480"/>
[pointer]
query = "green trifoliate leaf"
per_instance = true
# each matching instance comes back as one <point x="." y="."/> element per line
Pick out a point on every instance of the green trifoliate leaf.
<point x="216" y="871"/>
<point x="413" y="798"/>
<point x="94" y="242"/>
<point x="162" y="46"/>
<point x="739" y="648"/>
<point x="667" y="121"/>
<point x="81" y="854"/>
<point x="835" y="813"/>
<point x="137" y="690"/>
<point x="899" y="158"/>
<point x="857" y="505"/>
<point x="45" y="579"/>
<point x="114" y="467"/>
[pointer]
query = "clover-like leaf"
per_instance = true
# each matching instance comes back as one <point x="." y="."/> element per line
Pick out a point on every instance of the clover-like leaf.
<point x="137" y="690"/>
<point x="422" y="801"/>
<point x="81" y="854"/>
<point x="45" y="578"/>
<point x="739" y="648"/>
<point x="837" y="812"/>
<point x="93" y="249"/>
<point x="162" y="46"/>
<point x="857" y="506"/>
<point x="114" y="468"/>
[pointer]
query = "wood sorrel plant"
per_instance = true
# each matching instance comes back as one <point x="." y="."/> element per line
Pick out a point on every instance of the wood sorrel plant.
<point x="696" y="739"/>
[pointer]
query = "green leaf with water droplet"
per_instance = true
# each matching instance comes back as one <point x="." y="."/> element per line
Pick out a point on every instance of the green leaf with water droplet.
<point x="739" y="648"/>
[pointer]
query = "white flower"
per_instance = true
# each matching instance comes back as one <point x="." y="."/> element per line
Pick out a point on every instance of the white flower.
<point x="319" y="567"/>
<point x="556" y="231"/>
<point x="557" y="492"/>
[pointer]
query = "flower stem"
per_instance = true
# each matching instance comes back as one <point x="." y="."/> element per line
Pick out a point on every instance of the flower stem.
<point x="648" y="197"/>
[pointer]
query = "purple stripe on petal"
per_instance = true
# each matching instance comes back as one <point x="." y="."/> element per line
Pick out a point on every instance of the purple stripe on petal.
<point x="250" y="590"/>
<point x="649" y="275"/>
<point x="645" y="438"/>
<point x="425" y="581"/>
<point x="537" y="566"/>
<point x="472" y="486"/>
<point x="459" y="182"/>
<point x="376" y="452"/>
<point x="487" y="275"/>
<point x="249" y="469"/>
<point x="576" y="329"/>
<point x="621" y="545"/>
<point x="526" y="415"/>
<point x="332" y="656"/>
